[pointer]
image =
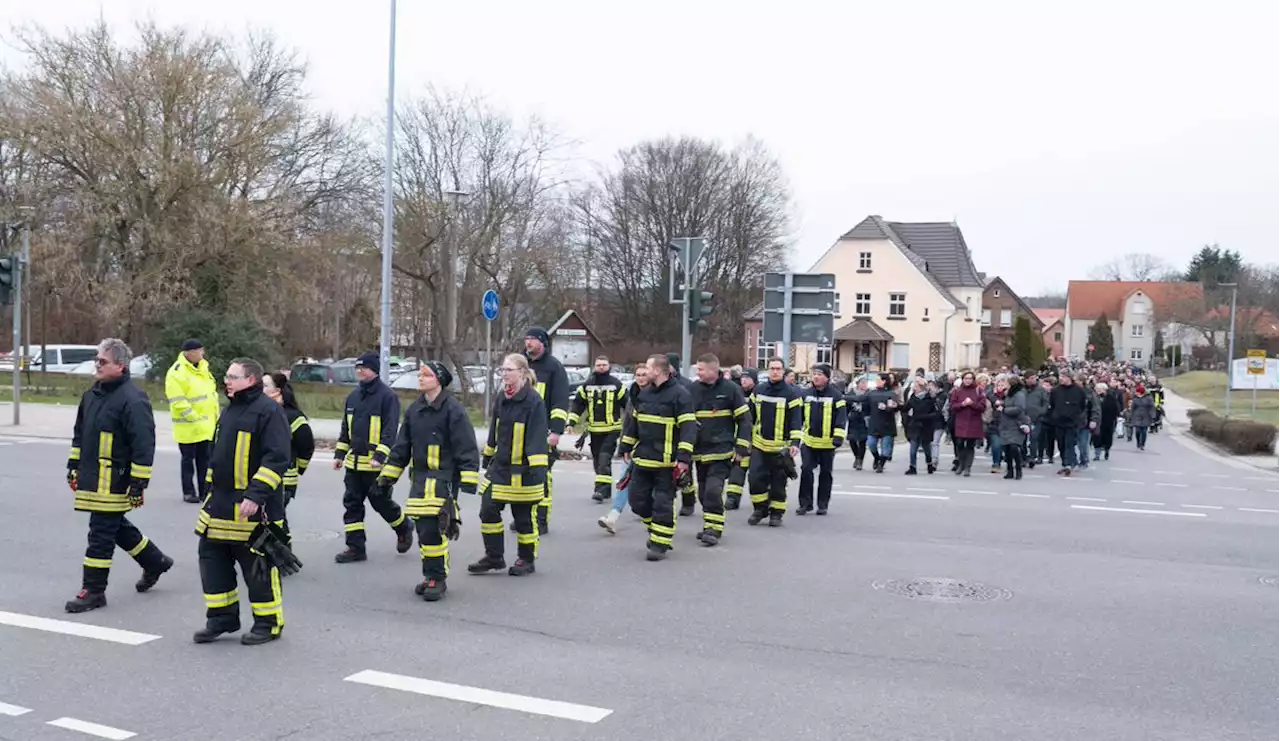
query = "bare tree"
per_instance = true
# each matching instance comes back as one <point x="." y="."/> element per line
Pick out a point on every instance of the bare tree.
<point x="1135" y="266"/>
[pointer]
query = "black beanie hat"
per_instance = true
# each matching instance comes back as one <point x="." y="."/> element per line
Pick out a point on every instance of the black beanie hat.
<point x="539" y="334"/>
<point x="442" y="373"/>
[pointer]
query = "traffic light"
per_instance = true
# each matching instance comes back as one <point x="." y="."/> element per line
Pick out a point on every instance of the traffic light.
<point x="701" y="304"/>
<point x="8" y="273"/>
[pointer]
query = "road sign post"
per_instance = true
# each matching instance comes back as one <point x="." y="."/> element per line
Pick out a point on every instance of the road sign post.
<point x="1257" y="366"/>
<point x="686" y="254"/>
<point x="489" y="306"/>
<point x="799" y="308"/>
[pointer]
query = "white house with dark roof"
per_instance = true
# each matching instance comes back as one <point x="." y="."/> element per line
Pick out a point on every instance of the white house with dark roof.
<point x="908" y="296"/>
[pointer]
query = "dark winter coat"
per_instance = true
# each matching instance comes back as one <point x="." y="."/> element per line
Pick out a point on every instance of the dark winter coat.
<point x="1037" y="403"/>
<point x="1068" y="407"/>
<point x="920" y="417"/>
<point x="882" y="422"/>
<point x="1143" y="411"/>
<point x="968" y="418"/>
<point x="1011" y="417"/>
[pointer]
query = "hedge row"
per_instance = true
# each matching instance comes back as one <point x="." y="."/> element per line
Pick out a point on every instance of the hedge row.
<point x="1240" y="436"/>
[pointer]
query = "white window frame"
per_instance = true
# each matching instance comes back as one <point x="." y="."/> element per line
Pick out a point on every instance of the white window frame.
<point x="824" y="354"/>
<point x="900" y="303"/>
<point x="985" y="319"/>
<point x="1006" y="314"/>
<point x="864" y="261"/>
<point x="1135" y="353"/>
<point x="1138" y="307"/>
<point x="1138" y="331"/>
<point x="762" y="350"/>
<point x="859" y="299"/>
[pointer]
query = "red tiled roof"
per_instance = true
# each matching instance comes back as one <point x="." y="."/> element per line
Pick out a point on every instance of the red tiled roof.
<point x="1049" y="316"/>
<point x="1089" y="299"/>
<point x="1256" y="319"/>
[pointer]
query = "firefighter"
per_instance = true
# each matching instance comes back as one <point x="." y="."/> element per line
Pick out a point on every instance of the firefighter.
<point x="364" y="442"/>
<point x="738" y="472"/>
<point x="601" y="400"/>
<point x="515" y="463"/>
<point x="277" y="387"/>
<point x="659" y="439"/>
<point x="823" y="434"/>
<point x="552" y="385"/>
<point x="112" y="448"/>
<point x="193" y="406"/>
<point x="251" y="452"/>
<point x="438" y="442"/>
<point x="724" y="439"/>
<point x="775" y="442"/>
<point x="688" y="494"/>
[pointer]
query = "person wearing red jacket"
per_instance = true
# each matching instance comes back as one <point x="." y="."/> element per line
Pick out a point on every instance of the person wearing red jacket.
<point x="967" y="405"/>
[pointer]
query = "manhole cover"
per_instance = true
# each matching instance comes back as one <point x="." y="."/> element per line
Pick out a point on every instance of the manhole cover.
<point x="943" y="590"/>
<point x="1269" y="581"/>
<point x="312" y="536"/>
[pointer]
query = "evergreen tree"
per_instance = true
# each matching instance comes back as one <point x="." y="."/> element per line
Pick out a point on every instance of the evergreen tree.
<point x="1157" y="344"/>
<point x="1104" y="344"/>
<point x="1022" y="349"/>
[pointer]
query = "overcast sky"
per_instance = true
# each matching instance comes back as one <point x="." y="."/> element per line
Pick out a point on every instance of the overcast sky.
<point x="1058" y="138"/>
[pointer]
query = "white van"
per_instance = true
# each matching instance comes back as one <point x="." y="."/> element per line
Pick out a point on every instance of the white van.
<point x="59" y="358"/>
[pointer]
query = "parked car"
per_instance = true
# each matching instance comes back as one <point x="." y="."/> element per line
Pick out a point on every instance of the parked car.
<point x="53" y="358"/>
<point x="409" y="381"/>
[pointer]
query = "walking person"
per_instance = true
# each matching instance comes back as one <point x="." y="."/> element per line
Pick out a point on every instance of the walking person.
<point x="920" y="417"/>
<point x="113" y="446"/>
<point x="193" y="406"/>
<point x="1014" y="425"/>
<point x="621" y="492"/>
<point x="823" y="434"/>
<point x="1093" y="413"/>
<point x="552" y="384"/>
<point x="855" y="406"/>
<point x="723" y="438"/>
<point x="515" y="464"/>
<point x="1068" y="414"/>
<point x="882" y="425"/>
<point x="1037" y="403"/>
<point x="1110" y="405"/>
<point x="967" y="405"/>
<point x="991" y="419"/>
<point x="1142" y="415"/>
<point x="599" y="401"/>
<point x="277" y="388"/>
<point x="775" y="443"/>
<point x="738" y="472"/>
<point x="939" y="392"/>
<point x="1048" y="431"/>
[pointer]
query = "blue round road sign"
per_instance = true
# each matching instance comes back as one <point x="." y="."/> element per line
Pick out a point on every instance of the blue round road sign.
<point x="490" y="305"/>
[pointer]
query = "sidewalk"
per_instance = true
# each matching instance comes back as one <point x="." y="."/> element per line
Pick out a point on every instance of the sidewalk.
<point x="1175" y="416"/>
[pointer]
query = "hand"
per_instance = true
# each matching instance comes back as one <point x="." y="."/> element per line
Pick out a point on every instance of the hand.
<point x="626" y="457"/>
<point x="249" y="509"/>
<point x="137" y="495"/>
<point x="553" y="439"/>
<point x="911" y="412"/>
<point x="337" y="464"/>
<point x="795" y="450"/>
<point x="1093" y="425"/>
<point x="737" y="457"/>
<point x="966" y="402"/>
<point x="375" y="464"/>
<point x="882" y="406"/>
<point x="681" y="469"/>
<point x="73" y="479"/>
<point x="570" y="430"/>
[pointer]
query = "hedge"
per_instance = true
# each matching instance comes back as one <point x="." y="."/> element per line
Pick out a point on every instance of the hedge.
<point x="1239" y="436"/>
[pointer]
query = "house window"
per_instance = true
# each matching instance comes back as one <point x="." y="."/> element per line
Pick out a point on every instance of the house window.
<point x="864" y="261"/>
<point x="1057" y="337"/>
<point x="1139" y="307"/>
<point x="1135" y="354"/>
<point x="901" y="355"/>
<point x="898" y="304"/>
<point x="1006" y="317"/>
<point x="837" y="306"/>
<point x="995" y="293"/>
<point x="762" y="350"/>
<point x="862" y="304"/>
<point x="1139" y="330"/>
<point x="823" y="354"/>
<point x="968" y="307"/>
<point x="986" y="317"/>
<point x="926" y="312"/>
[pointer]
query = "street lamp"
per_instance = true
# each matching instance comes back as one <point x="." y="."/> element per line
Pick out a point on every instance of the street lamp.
<point x="1231" y="342"/>
<point x="388" y="217"/>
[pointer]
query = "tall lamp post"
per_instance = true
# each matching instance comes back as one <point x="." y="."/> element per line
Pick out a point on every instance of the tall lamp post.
<point x="388" y="216"/>
<point x="1231" y="342"/>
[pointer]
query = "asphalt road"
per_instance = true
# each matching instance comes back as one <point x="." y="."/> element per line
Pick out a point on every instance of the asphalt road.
<point x="1070" y="618"/>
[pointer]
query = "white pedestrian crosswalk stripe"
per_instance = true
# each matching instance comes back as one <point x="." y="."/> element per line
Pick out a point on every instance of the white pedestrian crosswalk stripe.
<point x="93" y="729"/>
<point x="83" y="630"/>
<point x="13" y="710"/>
<point x="1138" y="511"/>
<point x="480" y="696"/>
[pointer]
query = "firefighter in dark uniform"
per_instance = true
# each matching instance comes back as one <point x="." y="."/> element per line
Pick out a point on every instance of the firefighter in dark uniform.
<point x="515" y="464"/>
<point x="738" y="472"/>
<point x="689" y="494"/>
<point x="659" y="440"/>
<point x="112" y="448"/>
<point x="438" y="443"/>
<point x="553" y="386"/>
<point x="724" y="439"/>
<point x="303" y="443"/>
<point x="825" y="417"/>
<point x="251" y="452"/>
<point x="364" y="442"/>
<point x="600" y="401"/>
<point x="775" y="435"/>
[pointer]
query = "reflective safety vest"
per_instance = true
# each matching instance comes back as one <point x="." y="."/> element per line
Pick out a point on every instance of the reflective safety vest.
<point x="193" y="400"/>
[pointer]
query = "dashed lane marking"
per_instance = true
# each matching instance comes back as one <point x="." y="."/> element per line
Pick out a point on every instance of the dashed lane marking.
<point x="1201" y="506"/>
<point x="479" y="696"/>
<point x="1123" y="481"/>
<point x="83" y="630"/>
<point x="1263" y="511"/>
<point x="1029" y="496"/>
<point x="1231" y="488"/>
<point x="925" y="489"/>
<point x="1171" y="486"/>
<point x="887" y="495"/>
<point x="1216" y="475"/>
<point x="93" y="729"/>
<point x="1086" y="499"/>
<point x="1126" y="470"/>
<point x="869" y="486"/>
<point x="13" y="710"/>
<point x="1139" y="511"/>
<point x="1137" y="501"/>
<point x="977" y="491"/>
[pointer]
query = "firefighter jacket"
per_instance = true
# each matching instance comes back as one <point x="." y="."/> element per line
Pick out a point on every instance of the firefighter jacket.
<point x="193" y="400"/>
<point x="368" y="426"/>
<point x="438" y="445"/>
<point x="303" y="444"/>
<point x="599" y="401"/>
<point x="724" y="421"/>
<point x="251" y="452"/>
<point x="515" y="455"/>
<point x="777" y="415"/>
<point x="825" y="417"/>
<point x="553" y="387"/>
<point x="662" y="429"/>
<point x="114" y="440"/>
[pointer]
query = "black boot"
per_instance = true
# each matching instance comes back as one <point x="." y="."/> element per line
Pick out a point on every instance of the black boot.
<point x="733" y="501"/>
<point x="597" y="497"/>
<point x="709" y="537"/>
<point x="404" y="537"/>
<point x="686" y="509"/>
<point x="521" y="568"/>
<point x="757" y="516"/>
<point x="775" y="518"/>
<point x="487" y="564"/>
<point x="190" y="498"/>
<point x="86" y="601"/>
<point x="257" y="637"/>
<point x="351" y="555"/>
<point x="803" y="509"/>
<point x="1106" y="454"/>
<point x="209" y="635"/>
<point x="431" y="590"/>
<point x="822" y="511"/>
<point x="932" y="468"/>
<point x="1008" y="474"/>
<point x="149" y="578"/>
<point x="911" y="471"/>
<point x="655" y="552"/>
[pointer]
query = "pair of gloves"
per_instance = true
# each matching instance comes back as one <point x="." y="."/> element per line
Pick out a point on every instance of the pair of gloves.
<point x="136" y="491"/>
<point x="269" y="543"/>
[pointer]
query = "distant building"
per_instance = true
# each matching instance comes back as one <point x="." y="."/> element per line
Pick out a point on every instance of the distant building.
<point x="1000" y="309"/>
<point x="1135" y="310"/>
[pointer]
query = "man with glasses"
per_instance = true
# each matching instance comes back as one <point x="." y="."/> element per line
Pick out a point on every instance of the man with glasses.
<point x="112" y="448"/>
<point x="193" y="405"/>
<point x="553" y="386"/>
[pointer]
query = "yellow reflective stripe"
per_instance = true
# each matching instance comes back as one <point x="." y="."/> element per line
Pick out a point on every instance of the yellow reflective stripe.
<point x="383" y="449"/>
<point x="241" y="461"/>
<point x="742" y="443"/>
<point x="224" y="599"/>
<point x="682" y="445"/>
<point x="433" y="457"/>
<point x="302" y="463"/>
<point x="106" y="441"/>
<point x="573" y="419"/>
<point x="559" y="414"/>
<point x="352" y="527"/>
<point x="134" y="551"/>
<point x="342" y="447"/>
<point x="706" y="413"/>
<point x="538" y="459"/>
<point x="392" y="472"/>
<point x="140" y="472"/>
<point x="74" y="454"/>
<point x="706" y="457"/>
<point x="794" y="403"/>
<point x="267" y="476"/>
<point x="375" y="430"/>
<point x="654" y="419"/>
<point x="686" y="418"/>
<point x="489" y="450"/>
<point x="741" y="410"/>
<point x="629" y="440"/>
<point x="197" y="399"/>
<point x="541" y="388"/>
<point x="470" y="477"/>
<point x="297" y="424"/>
<point x="517" y="443"/>
<point x="97" y="563"/>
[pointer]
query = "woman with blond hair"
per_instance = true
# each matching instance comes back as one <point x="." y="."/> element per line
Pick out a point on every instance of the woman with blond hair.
<point x="515" y="466"/>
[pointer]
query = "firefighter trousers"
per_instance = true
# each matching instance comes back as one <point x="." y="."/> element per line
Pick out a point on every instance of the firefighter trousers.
<point x="737" y="477"/>
<point x="433" y="546"/>
<point x="653" y="497"/>
<point x="712" y="476"/>
<point x="107" y="530"/>
<point x="603" y="445"/>
<point x="544" y="507"/>
<point x="824" y="461"/>
<point x="359" y="487"/>
<point x="492" y="532"/>
<point x="768" y="481"/>
<point x="218" y="559"/>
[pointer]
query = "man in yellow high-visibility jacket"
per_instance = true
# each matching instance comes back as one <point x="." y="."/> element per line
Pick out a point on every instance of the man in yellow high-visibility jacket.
<point x="193" y="405"/>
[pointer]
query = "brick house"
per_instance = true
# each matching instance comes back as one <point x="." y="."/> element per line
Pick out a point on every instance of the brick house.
<point x="1053" y="329"/>
<point x="1000" y="309"/>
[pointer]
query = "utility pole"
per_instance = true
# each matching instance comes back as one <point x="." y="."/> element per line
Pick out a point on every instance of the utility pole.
<point x="1231" y="343"/>
<point x="19" y="353"/>
<point x="388" y="212"/>
<point x="686" y="252"/>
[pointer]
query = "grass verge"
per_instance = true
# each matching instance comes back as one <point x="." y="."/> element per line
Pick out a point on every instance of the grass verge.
<point x="1208" y="388"/>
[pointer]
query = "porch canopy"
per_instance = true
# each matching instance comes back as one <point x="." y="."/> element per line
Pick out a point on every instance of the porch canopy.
<point x="862" y="330"/>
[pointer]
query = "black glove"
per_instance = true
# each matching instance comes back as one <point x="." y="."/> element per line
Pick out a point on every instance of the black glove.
<point x="449" y="520"/>
<point x="137" y="492"/>
<point x="684" y="480"/>
<point x="789" y="465"/>
<point x="268" y="544"/>
<point x="382" y="486"/>
<point x="582" y="441"/>
<point x="289" y="493"/>
<point x="73" y="478"/>
<point x="485" y="461"/>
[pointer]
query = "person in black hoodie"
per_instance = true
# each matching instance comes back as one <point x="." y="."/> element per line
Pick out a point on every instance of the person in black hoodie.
<point x="856" y="402"/>
<point x="882" y="423"/>
<point x="1067" y="413"/>
<point x="920" y="417"/>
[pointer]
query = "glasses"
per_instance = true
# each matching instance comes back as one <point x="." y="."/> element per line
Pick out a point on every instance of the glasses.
<point x="231" y="377"/>
<point x="101" y="362"/>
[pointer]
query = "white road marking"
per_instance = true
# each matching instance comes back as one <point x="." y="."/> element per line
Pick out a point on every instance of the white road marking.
<point x="869" y="486"/>
<point x="1135" y="501"/>
<point x="923" y="489"/>
<point x="478" y="696"/>
<point x="84" y="630"/>
<point x="1264" y="511"/>
<point x="13" y="710"/>
<point x="93" y="729"/>
<point x="977" y="491"/>
<point x="1032" y="475"/>
<point x="1086" y="499"/>
<point x="1030" y="496"/>
<point x="1166" y="473"/>
<point x="1122" y="481"/>
<point x="1171" y="486"/>
<point x="1231" y="488"/>
<point x="1139" y="511"/>
<point x="1260" y="478"/>
<point x="887" y="495"/>
<point x="1216" y="475"/>
<point x="1126" y="470"/>
<point x="1201" y="506"/>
